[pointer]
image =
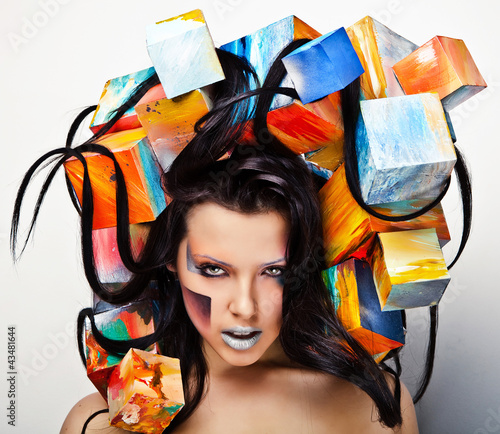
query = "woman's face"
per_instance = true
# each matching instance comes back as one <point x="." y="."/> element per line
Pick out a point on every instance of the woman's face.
<point x="230" y="267"/>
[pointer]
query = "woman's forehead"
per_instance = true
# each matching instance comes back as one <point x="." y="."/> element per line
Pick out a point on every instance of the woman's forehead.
<point x="225" y="234"/>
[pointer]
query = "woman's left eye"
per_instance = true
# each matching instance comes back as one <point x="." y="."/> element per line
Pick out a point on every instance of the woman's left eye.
<point x="274" y="271"/>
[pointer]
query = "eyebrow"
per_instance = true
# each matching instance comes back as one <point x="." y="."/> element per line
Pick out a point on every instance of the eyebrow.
<point x="189" y="254"/>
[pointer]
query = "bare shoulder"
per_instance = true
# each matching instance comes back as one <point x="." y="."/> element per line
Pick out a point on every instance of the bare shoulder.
<point x="349" y="409"/>
<point x="82" y="410"/>
<point x="408" y="414"/>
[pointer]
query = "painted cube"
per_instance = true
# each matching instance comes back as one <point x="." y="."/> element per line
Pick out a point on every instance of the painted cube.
<point x="409" y="269"/>
<point x="116" y="92"/>
<point x="131" y="321"/>
<point x="142" y="174"/>
<point x="323" y="66"/>
<point x="350" y="231"/>
<point x="358" y="308"/>
<point x="404" y="148"/>
<point x="378" y="49"/>
<point x="443" y="65"/>
<point x="169" y="123"/>
<point x="183" y="53"/>
<point x="145" y="392"/>
<point x="150" y="293"/>
<point x="108" y="263"/>
<point x="306" y="128"/>
<point x="261" y="48"/>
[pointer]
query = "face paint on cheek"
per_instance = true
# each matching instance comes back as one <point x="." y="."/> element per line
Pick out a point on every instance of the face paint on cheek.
<point x="199" y="306"/>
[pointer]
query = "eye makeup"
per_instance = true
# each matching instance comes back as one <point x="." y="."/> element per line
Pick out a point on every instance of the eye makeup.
<point x="202" y="269"/>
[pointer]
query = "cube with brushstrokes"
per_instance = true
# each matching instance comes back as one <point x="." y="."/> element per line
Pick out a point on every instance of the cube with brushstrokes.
<point x="116" y="92"/>
<point x="450" y="126"/>
<point x="404" y="148"/>
<point x="145" y="392"/>
<point x="146" y="199"/>
<point x="131" y="321"/>
<point x="301" y="127"/>
<point x="169" y="123"/>
<point x="183" y="53"/>
<point x="350" y="231"/>
<point x="357" y="306"/>
<point x="149" y="293"/>
<point x="108" y="263"/>
<point x="322" y="66"/>
<point x="311" y="127"/>
<point x="261" y="48"/>
<point x="409" y="269"/>
<point x="378" y="49"/>
<point x="443" y="65"/>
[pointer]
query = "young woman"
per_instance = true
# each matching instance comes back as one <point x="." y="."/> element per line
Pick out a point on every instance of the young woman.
<point x="260" y="347"/>
<point x="238" y="257"/>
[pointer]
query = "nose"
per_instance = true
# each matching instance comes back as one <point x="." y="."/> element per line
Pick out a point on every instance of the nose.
<point x="243" y="302"/>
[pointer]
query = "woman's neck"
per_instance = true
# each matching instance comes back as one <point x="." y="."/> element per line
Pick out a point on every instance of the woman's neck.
<point x="219" y="368"/>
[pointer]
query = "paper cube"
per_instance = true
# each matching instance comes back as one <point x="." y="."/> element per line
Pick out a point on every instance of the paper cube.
<point x="353" y="291"/>
<point x="323" y="66"/>
<point x="404" y="148"/>
<point x="108" y="263"/>
<point x="169" y="123"/>
<point x="116" y="92"/>
<point x="442" y="65"/>
<point x="183" y="53"/>
<point x="131" y="321"/>
<point x="132" y="150"/>
<point x="349" y="231"/>
<point x="262" y="47"/>
<point x="409" y="269"/>
<point x="145" y="392"/>
<point x="378" y="49"/>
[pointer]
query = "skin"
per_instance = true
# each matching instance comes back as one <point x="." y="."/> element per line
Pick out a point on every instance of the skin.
<point x="258" y="389"/>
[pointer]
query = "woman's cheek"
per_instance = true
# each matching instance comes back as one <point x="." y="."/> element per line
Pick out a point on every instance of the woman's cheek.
<point x="199" y="308"/>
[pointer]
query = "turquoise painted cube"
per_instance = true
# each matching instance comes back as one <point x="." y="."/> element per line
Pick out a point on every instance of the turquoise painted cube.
<point x="323" y="66"/>
<point x="183" y="53"/>
<point x="404" y="148"/>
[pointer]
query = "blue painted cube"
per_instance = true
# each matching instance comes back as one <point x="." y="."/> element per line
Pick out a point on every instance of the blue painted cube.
<point x="404" y="148"/>
<point x="183" y="53"/>
<point x="323" y="66"/>
<point x="357" y="305"/>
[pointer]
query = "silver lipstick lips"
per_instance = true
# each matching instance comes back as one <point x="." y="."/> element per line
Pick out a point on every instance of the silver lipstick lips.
<point x="241" y="338"/>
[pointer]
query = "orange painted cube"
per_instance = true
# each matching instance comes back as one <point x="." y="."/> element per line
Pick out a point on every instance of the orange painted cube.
<point x="349" y="231"/>
<point x="142" y="174"/>
<point x="442" y="65"/>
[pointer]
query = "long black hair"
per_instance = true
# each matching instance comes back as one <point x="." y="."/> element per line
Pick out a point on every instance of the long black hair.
<point x="257" y="176"/>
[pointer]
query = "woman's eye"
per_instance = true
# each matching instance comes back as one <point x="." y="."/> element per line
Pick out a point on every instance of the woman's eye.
<point x="212" y="270"/>
<point x="274" y="271"/>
